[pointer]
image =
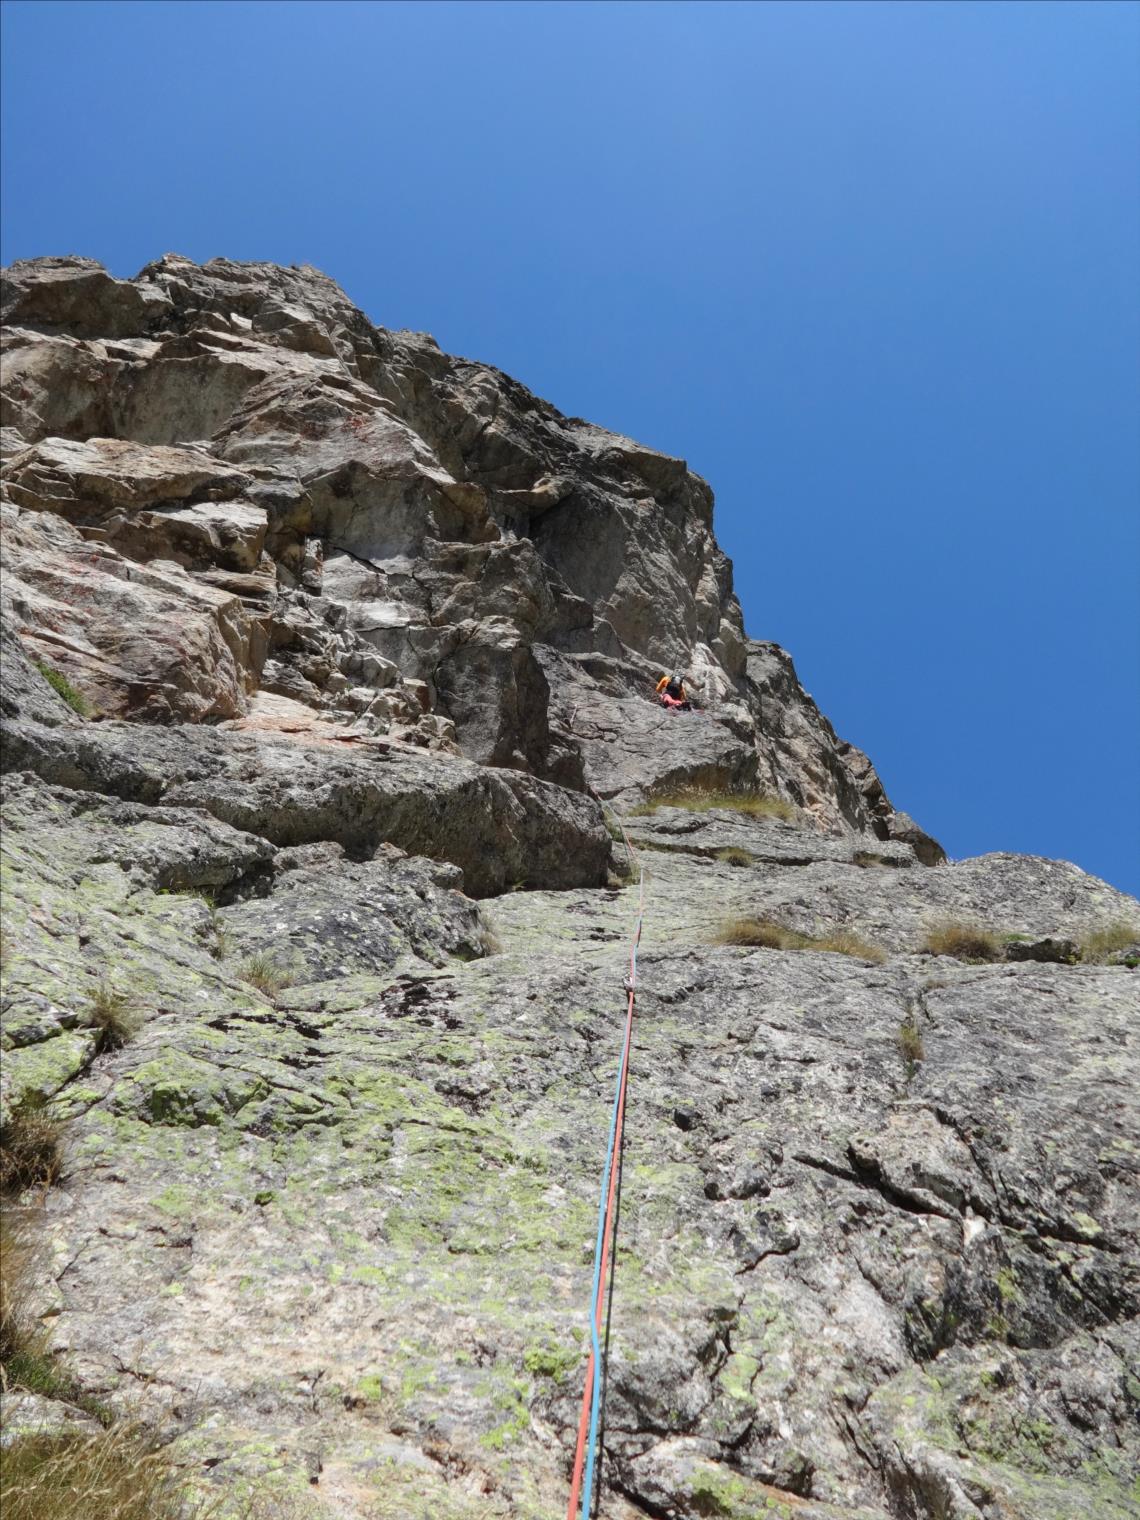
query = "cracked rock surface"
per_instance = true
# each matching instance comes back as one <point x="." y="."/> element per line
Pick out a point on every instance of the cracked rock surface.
<point x="354" y="1218"/>
<point x="223" y="485"/>
<point x="363" y="626"/>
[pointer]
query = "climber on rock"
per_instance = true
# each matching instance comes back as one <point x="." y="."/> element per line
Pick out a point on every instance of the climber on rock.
<point x="671" y="693"/>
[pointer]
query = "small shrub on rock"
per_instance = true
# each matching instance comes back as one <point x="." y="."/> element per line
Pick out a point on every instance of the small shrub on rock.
<point x="735" y="857"/>
<point x="910" y="1045"/>
<point x="266" y="974"/>
<point x="757" y="933"/>
<point x="30" y="1150"/>
<point x="492" y="944"/>
<point x="219" y="943"/>
<point x="845" y="943"/>
<point x="963" y="941"/>
<point x="114" y="1016"/>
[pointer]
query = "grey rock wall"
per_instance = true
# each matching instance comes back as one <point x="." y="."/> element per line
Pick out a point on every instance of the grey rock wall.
<point x="358" y="628"/>
<point x="224" y="483"/>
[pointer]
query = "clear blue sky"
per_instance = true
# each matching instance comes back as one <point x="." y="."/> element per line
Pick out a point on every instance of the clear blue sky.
<point x="871" y="269"/>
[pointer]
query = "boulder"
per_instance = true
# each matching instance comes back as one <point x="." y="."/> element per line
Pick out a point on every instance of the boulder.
<point x="78" y="296"/>
<point x="145" y="640"/>
<point x="501" y="828"/>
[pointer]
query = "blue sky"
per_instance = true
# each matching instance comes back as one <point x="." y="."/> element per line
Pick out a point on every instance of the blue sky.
<point x="871" y="269"/>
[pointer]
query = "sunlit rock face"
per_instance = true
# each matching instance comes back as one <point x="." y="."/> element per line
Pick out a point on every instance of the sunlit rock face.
<point x="223" y="483"/>
<point x="322" y="650"/>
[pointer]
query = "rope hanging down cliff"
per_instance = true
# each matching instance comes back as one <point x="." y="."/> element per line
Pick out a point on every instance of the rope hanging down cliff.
<point x="586" y="1451"/>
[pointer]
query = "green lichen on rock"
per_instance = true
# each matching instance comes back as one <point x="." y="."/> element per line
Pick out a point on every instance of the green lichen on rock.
<point x="717" y="1491"/>
<point x="364" y="1209"/>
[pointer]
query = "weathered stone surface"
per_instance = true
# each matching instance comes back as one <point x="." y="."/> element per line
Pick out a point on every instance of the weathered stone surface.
<point x="633" y="748"/>
<point x="24" y="690"/>
<point x="1055" y="949"/>
<point x="764" y="841"/>
<point x="325" y="924"/>
<point x="149" y="502"/>
<point x="167" y="849"/>
<point x="355" y="1221"/>
<point x="1009" y="895"/>
<point x="328" y="1207"/>
<point x="448" y="521"/>
<point x="30" y="1414"/>
<point x="92" y="482"/>
<point x="141" y="640"/>
<point x="78" y="295"/>
<point x="501" y="828"/>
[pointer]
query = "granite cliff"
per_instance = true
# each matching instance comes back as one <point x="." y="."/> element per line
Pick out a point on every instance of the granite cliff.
<point x="322" y="651"/>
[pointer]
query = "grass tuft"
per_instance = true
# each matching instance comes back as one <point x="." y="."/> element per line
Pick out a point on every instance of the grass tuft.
<point x="758" y="933"/>
<point x="31" y="1155"/>
<point x="492" y="944"/>
<point x="735" y="857"/>
<point x="117" y="1474"/>
<point x="763" y="934"/>
<point x="963" y="941"/>
<point x="63" y="687"/>
<point x="695" y="799"/>
<point x="16" y="1264"/>
<point x="910" y="1045"/>
<point x="266" y="974"/>
<point x="114" y="1016"/>
<point x="24" y="1361"/>
<point x="219" y="942"/>
<point x="843" y="942"/>
<point x="1098" y="944"/>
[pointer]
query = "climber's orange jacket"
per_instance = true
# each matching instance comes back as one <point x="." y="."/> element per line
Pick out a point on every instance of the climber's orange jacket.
<point x="673" y="687"/>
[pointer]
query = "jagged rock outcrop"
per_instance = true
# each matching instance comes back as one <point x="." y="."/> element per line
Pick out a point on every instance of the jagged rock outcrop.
<point x="253" y="490"/>
<point x="363" y="625"/>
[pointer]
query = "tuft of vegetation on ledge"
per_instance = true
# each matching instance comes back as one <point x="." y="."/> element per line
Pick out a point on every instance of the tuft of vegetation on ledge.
<point x="695" y="799"/>
<point x="735" y="857"/>
<point x="763" y="934"/>
<point x="121" y="1473"/>
<point x="266" y="974"/>
<point x="1098" y="945"/>
<point x="30" y="1150"/>
<point x="114" y="1016"/>
<point x="963" y="941"/>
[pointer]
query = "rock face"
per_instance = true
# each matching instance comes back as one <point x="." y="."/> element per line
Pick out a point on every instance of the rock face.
<point x="357" y="628"/>
<point x="223" y="482"/>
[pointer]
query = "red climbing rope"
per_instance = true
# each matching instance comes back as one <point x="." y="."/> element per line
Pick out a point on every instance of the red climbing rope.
<point x="584" y="1454"/>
